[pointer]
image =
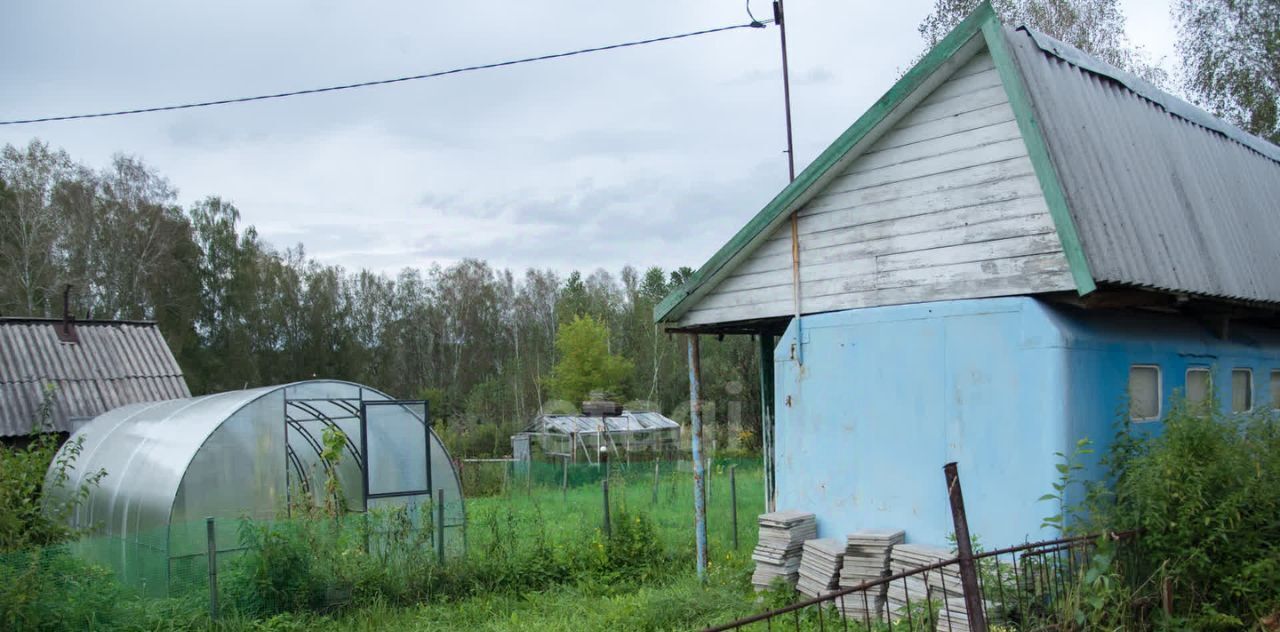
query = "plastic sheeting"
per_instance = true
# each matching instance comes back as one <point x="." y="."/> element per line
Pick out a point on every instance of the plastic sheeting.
<point x="245" y="455"/>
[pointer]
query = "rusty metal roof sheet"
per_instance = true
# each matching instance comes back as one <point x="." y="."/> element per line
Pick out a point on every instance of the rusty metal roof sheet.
<point x="1163" y="194"/>
<point x="114" y="363"/>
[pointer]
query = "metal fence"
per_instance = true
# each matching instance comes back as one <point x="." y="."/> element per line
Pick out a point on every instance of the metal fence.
<point x="1018" y="588"/>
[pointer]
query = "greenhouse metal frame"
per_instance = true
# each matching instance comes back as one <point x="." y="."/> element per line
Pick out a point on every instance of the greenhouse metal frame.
<point x="245" y="455"/>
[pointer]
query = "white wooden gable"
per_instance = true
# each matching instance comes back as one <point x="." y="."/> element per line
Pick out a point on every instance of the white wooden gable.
<point x="944" y="205"/>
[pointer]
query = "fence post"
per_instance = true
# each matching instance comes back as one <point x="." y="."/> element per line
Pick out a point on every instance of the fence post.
<point x="604" y="487"/>
<point x="710" y="469"/>
<point x="440" y="525"/>
<point x="968" y="570"/>
<point x="655" y="480"/>
<point x="603" y="461"/>
<point x="733" y="501"/>
<point x="213" y="569"/>
<point x="564" y="481"/>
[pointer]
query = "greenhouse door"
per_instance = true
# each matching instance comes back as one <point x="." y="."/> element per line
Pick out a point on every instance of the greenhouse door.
<point x="396" y="436"/>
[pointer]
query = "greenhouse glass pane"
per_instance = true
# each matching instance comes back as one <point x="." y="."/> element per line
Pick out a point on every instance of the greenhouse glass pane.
<point x="396" y="447"/>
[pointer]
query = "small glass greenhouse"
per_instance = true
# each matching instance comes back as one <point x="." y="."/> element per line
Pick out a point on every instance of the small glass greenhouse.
<point x="250" y="454"/>
<point x="582" y="436"/>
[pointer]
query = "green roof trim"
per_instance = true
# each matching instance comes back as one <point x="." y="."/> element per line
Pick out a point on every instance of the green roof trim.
<point x="1038" y="150"/>
<point x="982" y="22"/>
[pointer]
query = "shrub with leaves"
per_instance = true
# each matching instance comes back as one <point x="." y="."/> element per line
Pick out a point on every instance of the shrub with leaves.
<point x="1206" y="494"/>
<point x="27" y="517"/>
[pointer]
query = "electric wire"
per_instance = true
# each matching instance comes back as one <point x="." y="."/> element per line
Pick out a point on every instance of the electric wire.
<point x="754" y="22"/>
<point x="380" y="82"/>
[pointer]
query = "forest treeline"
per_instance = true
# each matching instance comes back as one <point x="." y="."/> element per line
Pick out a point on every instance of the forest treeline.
<point x="477" y="341"/>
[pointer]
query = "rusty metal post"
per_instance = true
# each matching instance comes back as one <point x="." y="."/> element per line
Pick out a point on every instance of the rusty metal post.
<point x="695" y="418"/>
<point x="968" y="570"/>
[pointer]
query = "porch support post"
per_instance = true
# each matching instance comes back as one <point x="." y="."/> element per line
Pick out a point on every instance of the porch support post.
<point x="766" y="418"/>
<point x="695" y="418"/>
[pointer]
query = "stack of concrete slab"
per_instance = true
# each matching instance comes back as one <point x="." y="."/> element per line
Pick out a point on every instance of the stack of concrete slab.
<point x="917" y="591"/>
<point x="953" y="615"/>
<point x="866" y="558"/>
<point x="820" y="563"/>
<point x="780" y="546"/>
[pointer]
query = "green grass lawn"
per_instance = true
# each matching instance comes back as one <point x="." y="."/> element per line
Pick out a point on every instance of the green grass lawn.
<point x="528" y="516"/>
<point x="535" y="557"/>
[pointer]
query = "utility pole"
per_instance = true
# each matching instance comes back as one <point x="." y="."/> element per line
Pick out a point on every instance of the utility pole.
<point x="786" y="87"/>
<point x="780" y="19"/>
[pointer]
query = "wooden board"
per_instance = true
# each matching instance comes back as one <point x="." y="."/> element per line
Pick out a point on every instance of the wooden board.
<point x="944" y="205"/>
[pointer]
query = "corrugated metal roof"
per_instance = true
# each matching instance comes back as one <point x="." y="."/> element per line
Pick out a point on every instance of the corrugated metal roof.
<point x="1162" y="194"/>
<point x="629" y="421"/>
<point x="115" y="363"/>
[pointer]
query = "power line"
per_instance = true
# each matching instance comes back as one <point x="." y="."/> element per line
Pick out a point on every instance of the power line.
<point x="380" y="82"/>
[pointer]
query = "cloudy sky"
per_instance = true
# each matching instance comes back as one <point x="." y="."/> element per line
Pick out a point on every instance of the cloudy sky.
<point x="652" y="155"/>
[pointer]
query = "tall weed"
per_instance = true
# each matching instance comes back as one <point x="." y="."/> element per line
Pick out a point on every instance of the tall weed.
<point x="1204" y="493"/>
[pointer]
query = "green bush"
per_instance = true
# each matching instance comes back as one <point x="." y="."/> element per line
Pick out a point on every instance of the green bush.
<point x="51" y="589"/>
<point x="631" y="553"/>
<point x="1205" y="495"/>
<point x="27" y="518"/>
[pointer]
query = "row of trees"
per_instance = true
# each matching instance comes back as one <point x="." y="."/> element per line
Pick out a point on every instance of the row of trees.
<point x="479" y="342"/>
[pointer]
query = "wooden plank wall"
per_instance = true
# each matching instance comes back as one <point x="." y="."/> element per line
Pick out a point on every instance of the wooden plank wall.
<point x="946" y="205"/>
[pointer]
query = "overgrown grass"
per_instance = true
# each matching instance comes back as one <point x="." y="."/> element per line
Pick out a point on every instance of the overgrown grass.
<point x="679" y="604"/>
<point x="537" y="559"/>
<point x="533" y="539"/>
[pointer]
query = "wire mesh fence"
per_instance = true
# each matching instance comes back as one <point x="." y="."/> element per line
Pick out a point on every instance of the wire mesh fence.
<point x="406" y="554"/>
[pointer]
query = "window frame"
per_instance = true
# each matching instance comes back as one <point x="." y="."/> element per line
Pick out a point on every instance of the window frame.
<point x="1186" y="383"/>
<point x="1275" y="401"/>
<point x="1159" y="392"/>
<point x="1248" y="371"/>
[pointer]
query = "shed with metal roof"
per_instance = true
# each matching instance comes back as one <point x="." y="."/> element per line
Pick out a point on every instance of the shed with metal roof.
<point x="1013" y="243"/>
<point x="88" y="366"/>
<point x="1006" y="163"/>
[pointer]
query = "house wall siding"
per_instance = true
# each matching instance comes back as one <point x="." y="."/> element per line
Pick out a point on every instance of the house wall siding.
<point x="889" y="395"/>
<point x="945" y="204"/>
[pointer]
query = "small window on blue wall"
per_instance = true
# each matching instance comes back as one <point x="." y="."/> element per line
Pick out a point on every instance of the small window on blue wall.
<point x="1275" y="390"/>
<point x="1199" y="385"/>
<point x="1241" y="390"/>
<point x="1144" y="392"/>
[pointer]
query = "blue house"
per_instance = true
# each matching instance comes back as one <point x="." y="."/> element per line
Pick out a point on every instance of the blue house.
<point x="1015" y="246"/>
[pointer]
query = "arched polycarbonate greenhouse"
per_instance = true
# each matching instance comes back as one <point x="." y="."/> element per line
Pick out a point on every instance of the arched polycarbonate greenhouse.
<point x="251" y="454"/>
